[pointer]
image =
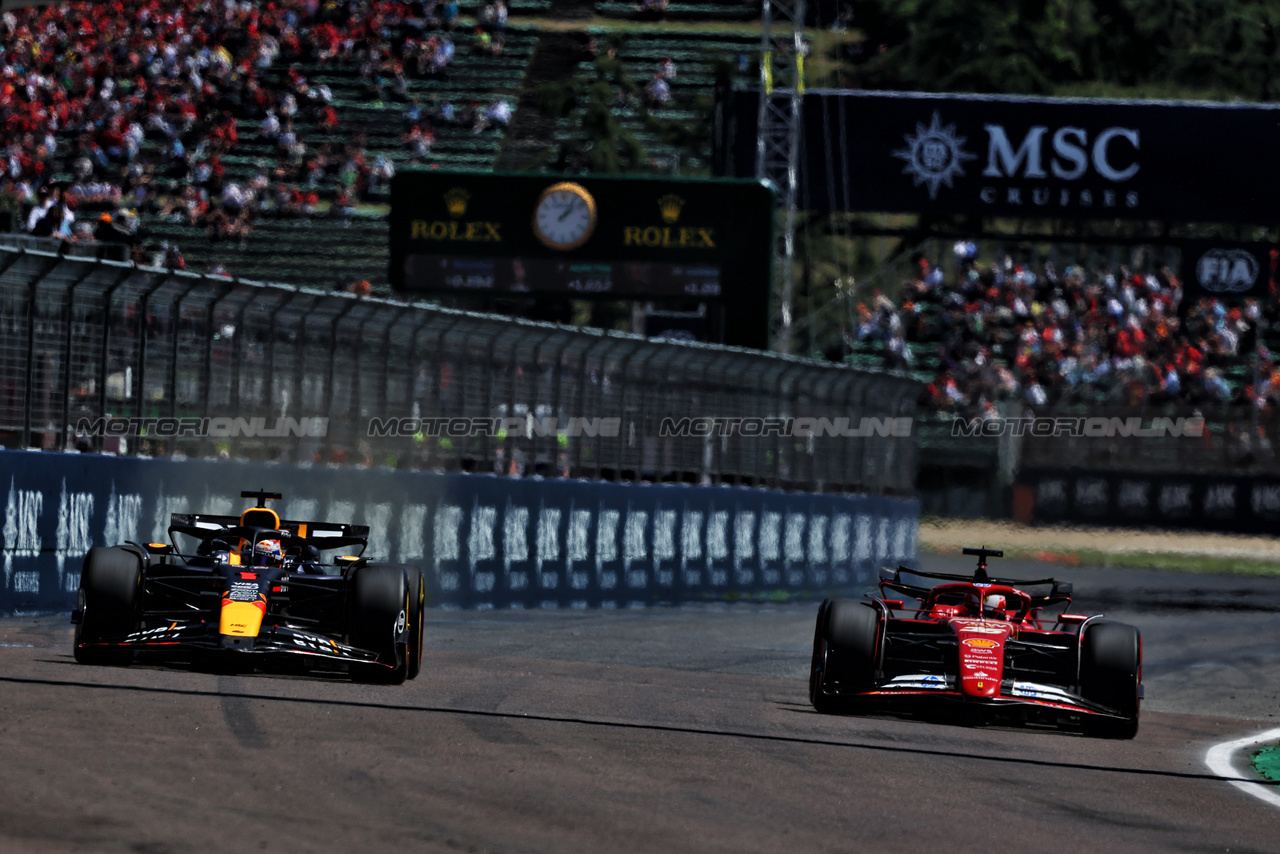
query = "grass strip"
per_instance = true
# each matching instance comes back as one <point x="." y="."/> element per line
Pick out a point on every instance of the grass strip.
<point x="1173" y="561"/>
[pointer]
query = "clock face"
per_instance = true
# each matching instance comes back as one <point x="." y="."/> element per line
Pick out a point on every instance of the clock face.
<point x="565" y="216"/>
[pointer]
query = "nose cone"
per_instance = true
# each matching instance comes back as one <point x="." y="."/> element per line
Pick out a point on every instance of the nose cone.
<point x="981" y="644"/>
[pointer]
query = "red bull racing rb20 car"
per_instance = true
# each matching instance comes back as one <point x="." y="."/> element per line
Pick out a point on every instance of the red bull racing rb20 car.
<point x="988" y="645"/>
<point x="254" y="590"/>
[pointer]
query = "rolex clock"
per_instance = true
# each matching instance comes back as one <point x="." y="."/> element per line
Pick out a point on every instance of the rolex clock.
<point x="565" y="215"/>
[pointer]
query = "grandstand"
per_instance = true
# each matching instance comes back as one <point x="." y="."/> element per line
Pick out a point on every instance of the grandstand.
<point x="339" y="237"/>
<point x="575" y="73"/>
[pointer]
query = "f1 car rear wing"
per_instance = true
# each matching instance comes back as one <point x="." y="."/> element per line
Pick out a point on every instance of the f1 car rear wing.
<point x="1059" y="591"/>
<point x="322" y="535"/>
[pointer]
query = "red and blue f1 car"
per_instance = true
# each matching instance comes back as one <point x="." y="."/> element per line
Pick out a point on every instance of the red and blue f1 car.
<point x="991" y="644"/>
<point x="255" y="589"/>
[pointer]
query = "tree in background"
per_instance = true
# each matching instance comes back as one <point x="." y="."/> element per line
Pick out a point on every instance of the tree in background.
<point x="1139" y="48"/>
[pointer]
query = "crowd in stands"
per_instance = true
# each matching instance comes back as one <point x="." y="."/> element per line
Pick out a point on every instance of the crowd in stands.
<point x="1006" y="331"/>
<point x="127" y="110"/>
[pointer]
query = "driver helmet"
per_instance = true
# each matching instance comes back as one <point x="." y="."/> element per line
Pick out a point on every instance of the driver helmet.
<point x="266" y="553"/>
<point x="996" y="602"/>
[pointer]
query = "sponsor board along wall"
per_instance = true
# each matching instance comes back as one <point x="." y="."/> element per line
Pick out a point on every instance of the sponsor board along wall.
<point x="1239" y="503"/>
<point x="484" y="541"/>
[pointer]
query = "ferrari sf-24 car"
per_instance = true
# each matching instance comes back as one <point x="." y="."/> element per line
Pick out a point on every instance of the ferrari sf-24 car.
<point x="254" y="590"/>
<point x="989" y="644"/>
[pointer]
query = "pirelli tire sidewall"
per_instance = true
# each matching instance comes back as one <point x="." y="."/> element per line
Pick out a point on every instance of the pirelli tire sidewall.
<point x="852" y="631"/>
<point x="1111" y="675"/>
<point x="417" y="620"/>
<point x="818" y="664"/>
<point x="380" y="609"/>
<point x="108" y="599"/>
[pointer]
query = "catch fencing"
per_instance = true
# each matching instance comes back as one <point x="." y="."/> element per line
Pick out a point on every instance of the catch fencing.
<point x="103" y="356"/>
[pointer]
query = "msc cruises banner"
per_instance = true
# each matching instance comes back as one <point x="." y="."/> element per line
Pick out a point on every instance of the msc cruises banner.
<point x="1030" y="157"/>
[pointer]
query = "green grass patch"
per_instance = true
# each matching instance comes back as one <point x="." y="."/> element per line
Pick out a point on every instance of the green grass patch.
<point x="1171" y="561"/>
<point x="1267" y="763"/>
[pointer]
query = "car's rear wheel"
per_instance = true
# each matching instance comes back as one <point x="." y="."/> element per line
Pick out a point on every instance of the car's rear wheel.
<point x="1111" y="675"/>
<point x="417" y="619"/>
<point x="379" y="611"/>
<point x="108" y="602"/>
<point x="847" y="642"/>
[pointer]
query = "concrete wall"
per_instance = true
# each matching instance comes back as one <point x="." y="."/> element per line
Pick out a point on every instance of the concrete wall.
<point x="486" y="542"/>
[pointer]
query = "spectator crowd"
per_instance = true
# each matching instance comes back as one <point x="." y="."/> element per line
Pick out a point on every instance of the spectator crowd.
<point x="116" y="112"/>
<point x="1043" y="337"/>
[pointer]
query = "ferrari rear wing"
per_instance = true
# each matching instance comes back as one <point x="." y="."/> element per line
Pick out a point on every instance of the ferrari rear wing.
<point x="1060" y="591"/>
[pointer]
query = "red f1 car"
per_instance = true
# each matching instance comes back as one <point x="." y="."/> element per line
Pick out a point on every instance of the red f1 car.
<point x="992" y="644"/>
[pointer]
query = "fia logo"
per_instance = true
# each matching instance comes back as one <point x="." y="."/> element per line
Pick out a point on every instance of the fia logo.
<point x="934" y="155"/>
<point x="1227" y="271"/>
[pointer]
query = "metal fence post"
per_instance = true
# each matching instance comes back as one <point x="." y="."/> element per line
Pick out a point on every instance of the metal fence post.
<point x="70" y="304"/>
<point x="144" y="312"/>
<point x="584" y="384"/>
<point x="106" y="341"/>
<point x="624" y="384"/>
<point x="207" y="379"/>
<point x="233" y="395"/>
<point x="333" y="357"/>
<point x="849" y="387"/>
<point x="557" y="370"/>
<point x="29" y="395"/>
<point x="173" y="356"/>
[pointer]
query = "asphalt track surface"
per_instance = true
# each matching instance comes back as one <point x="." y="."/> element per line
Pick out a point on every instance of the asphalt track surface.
<point x="663" y="729"/>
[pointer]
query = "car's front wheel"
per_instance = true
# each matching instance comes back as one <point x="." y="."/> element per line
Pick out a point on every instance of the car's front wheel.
<point x="108" y="604"/>
<point x="844" y="651"/>
<point x="1111" y="675"/>
<point x="380" y="608"/>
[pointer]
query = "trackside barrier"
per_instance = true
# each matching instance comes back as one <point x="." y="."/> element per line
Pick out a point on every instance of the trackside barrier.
<point x="1246" y="503"/>
<point x="485" y="541"/>
<point x="141" y="361"/>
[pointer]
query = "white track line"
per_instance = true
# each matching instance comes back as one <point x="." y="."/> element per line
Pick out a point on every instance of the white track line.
<point x="1218" y="758"/>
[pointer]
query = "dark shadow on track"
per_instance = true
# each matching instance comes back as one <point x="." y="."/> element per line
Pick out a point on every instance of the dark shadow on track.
<point x="623" y="725"/>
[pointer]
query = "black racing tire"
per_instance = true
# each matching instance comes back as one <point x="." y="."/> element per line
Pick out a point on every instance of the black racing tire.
<point x="1111" y="675"/>
<point x="818" y="664"/>
<point x="108" y="600"/>
<point x="850" y="660"/>
<point x="379" y="610"/>
<point x="417" y="621"/>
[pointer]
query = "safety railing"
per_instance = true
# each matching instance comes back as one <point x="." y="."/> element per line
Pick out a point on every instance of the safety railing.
<point x="103" y="356"/>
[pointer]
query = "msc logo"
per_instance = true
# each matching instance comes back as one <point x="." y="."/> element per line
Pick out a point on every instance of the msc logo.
<point x="1227" y="271"/>
<point x="1037" y="167"/>
<point x="934" y="155"/>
